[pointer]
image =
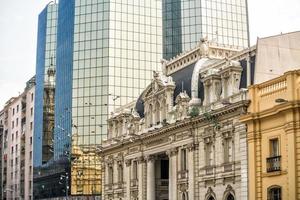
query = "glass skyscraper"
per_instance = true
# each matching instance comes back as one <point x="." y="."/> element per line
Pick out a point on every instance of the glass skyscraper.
<point x="105" y="56"/>
<point x="44" y="93"/>
<point x="185" y="22"/>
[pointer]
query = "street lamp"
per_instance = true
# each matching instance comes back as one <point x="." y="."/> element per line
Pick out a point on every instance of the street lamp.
<point x="280" y="100"/>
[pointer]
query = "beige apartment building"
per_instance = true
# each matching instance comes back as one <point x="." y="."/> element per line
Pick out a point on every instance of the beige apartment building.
<point x="16" y="120"/>
<point x="273" y="122"/>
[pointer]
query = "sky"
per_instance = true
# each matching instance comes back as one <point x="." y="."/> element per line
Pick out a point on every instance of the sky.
<point x="18" y="35"/>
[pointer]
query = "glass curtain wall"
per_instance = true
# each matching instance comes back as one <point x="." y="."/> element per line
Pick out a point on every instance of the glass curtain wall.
<point x="117" y="45"/>
<point x="186" y="21"/>
<point x="44" y="95"/>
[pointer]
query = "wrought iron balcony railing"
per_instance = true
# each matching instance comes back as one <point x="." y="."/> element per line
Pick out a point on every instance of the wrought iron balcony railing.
<point x="273" y="164"/>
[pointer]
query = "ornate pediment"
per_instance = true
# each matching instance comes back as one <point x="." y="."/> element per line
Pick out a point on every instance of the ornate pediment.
<point x="159" y="83"/>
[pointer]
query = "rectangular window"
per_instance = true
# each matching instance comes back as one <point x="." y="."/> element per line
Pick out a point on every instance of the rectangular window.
<point x="17" y="108"/>
<point x="274" y="147"/>
<point x="120" y="173"/>
<point x="31" y="97"/>
<point x="31" y="140"/>
<point x="13" y="111"/>
<point x="209" y="154"/>
<point x="110" y="175"/>
<point x="274" y="160"/>
<point x="164" y="169"/>
<point x="17" y="122"/>
<point x="134" y="170"/>
<point x="227" y="150"/>
<point x="31" y="126"/>
<point x="183" y="160"/>
<point x="31" y="111"/>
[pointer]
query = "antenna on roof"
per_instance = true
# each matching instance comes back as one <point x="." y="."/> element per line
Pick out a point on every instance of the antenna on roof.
<point x="181" y="86"/>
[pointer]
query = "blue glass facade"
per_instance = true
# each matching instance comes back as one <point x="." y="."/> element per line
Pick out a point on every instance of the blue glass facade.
<point x="39" y="89"/>
<point x="45" y="85"/>
<point x="51" y="179"/>
<point x="63" y="95"/>
<point x="44" y="106"/>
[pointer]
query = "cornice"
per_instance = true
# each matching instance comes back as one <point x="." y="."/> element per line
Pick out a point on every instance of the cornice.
<point x="283" y="107"/>
<point x="170" y="129"/>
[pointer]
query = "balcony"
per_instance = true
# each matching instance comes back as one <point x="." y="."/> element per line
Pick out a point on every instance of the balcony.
<point x="273" y="164"/>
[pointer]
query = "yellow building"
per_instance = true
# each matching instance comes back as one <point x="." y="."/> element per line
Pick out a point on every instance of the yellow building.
<point x="273" y="121"/>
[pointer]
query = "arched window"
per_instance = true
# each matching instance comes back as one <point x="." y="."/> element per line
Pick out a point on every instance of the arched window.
<point x="230" y="197"/>
<point x="210" y="195"/>
<point x="274" y="192"/>
<point x="211" y="198"/>
<point x="229" y="193"/>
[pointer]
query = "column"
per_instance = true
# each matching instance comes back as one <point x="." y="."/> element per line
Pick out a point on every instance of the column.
<point x="127" y="177"/>
<point x="140" y="177"/>
<point x="104" y="171"/>
<point x="172" y="173"/>
<point x="191" y="164"/>
<point x="248" y="70"/>
<point x="150" y="178"/>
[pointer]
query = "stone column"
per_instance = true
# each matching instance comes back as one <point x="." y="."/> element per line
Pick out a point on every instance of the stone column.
<point x="150" y="178"/>
<point x="248" y="70"/>
<point x="140" y="177"/>
<point x="191" y="164"/>
<point x="172" y="173"/>
<point x="127" y="178"/>
<point x="104" y="171"/>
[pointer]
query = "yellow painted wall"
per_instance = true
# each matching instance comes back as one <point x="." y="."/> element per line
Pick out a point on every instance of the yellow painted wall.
<point x="267" y="119"/>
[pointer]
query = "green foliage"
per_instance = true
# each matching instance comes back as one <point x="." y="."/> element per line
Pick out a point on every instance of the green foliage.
<point x="194" y="112"/>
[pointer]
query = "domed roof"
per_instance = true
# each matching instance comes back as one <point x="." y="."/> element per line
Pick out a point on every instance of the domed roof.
<point x="183" y="80"/>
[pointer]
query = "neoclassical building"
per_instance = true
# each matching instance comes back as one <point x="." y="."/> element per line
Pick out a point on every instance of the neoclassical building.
<point x="182" y="139"/>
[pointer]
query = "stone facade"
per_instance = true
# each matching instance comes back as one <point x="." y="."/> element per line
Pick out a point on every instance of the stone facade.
<point x="178" y="145"/>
